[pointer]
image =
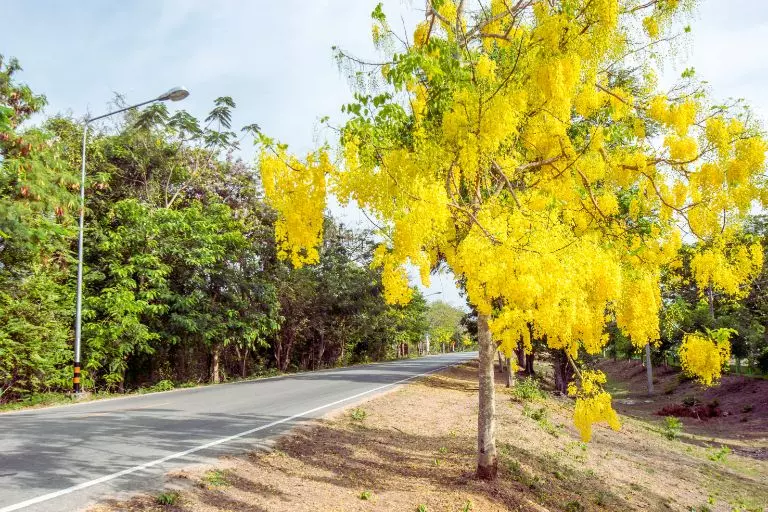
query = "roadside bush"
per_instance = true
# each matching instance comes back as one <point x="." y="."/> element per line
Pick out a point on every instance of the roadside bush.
<point x="720" y="454"/>
<point x="672" y="427"/>
<point x="163" y="385"/>
<point x="167" y="498"/>
<point x="527" y="390"/>
<point x="358" y="414"/>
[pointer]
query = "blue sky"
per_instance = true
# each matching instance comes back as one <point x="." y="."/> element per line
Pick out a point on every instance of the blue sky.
<point x="274" y="57"/>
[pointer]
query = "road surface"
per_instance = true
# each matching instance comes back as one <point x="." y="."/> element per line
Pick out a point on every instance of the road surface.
<point x="67" y="458"/>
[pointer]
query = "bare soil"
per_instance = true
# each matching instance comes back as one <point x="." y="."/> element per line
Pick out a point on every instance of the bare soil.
<point x="416" y="447"/>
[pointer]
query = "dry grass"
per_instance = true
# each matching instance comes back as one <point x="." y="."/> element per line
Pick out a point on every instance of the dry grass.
<point x="415" y="446"/>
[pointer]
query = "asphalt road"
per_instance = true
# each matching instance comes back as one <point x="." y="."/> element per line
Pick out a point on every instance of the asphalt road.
<point x="67" y="458"/>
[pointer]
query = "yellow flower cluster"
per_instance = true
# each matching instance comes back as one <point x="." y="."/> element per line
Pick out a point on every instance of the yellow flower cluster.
<point x="486" y="68"/>
<point x="296" y="190"/>
<point x="704" y="357"/>
<point x="651" y="26"/>
<point x="397" y="290"/>
<point x="593" y="404"/>
<point x="681" y="149"/>
<point x="677" y="116"/>
<point x="640" y="301"/>
<point x="727" y="268"/>
<point x="420" y="34"/>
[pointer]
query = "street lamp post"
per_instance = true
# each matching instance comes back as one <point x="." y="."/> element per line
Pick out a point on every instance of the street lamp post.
<point x="175" y="94"/>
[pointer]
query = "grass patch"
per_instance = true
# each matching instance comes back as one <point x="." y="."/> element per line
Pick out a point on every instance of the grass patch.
<point x="719" y="454"/>
<point x="574" y="506"/>
<point x="37" y="400"/>
<point x="215" y="478"/>
<point x="167" y="498"/>
<point x="541" y="417"/>
<point x="358" y="414"/>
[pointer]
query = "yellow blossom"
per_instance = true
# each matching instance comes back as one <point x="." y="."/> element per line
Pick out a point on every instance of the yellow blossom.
<point x="704" y="357"/>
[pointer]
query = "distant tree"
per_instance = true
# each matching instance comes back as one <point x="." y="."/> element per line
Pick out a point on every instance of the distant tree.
<point x="445" y="325"/>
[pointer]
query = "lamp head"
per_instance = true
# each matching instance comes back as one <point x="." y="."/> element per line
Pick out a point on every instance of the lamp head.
<point x="175" y="94"/>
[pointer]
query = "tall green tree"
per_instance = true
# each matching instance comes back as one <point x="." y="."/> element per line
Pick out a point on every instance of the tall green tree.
<point x="36" y="202"/>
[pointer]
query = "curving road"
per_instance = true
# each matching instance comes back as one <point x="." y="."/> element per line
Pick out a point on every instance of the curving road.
<point x="67" y="458"/>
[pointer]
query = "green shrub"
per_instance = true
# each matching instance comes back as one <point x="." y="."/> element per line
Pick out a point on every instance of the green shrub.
<point x="167" y="498"/>
<point x="672" y="427"/>
<point x="527" y="390"/>
<point x="358" y="414"/>
<point x="720" y="454"/>
<point x="163" y="385"/>
<point x="366" y="495"/>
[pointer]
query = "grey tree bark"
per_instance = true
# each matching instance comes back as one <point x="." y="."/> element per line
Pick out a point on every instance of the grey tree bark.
<point x="215" y="356"/>
<point x="487" y="462"/>
<point x="648" y="368"/>
<point x="510" y="374"/>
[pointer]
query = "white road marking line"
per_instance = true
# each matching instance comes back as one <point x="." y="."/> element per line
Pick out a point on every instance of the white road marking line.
<point x="146" y="465"/>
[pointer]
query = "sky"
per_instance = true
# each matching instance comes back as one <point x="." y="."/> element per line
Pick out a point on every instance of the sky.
<point x="274" y="59"/>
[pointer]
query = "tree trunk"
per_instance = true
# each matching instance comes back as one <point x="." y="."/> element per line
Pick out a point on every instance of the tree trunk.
<point x="318" y="363"/>
<point x="529" y="358"/>
<point x="711" y="300"/>
<point x="563" y="371"/>
<point x="648" y="368"/>
<point x="510" y="373"/>
<point x="487" y="463"/>
<point x="501" y="361"/>
<point x="244" y="364"/>
<point x="215" y="355"/>
<point x="520" y="353"/>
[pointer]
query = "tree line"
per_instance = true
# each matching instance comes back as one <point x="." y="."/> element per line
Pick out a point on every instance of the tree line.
<point x="182" y="281"/>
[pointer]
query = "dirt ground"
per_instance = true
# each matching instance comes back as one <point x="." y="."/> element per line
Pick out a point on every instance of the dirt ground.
<point x="413" y="450"/>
